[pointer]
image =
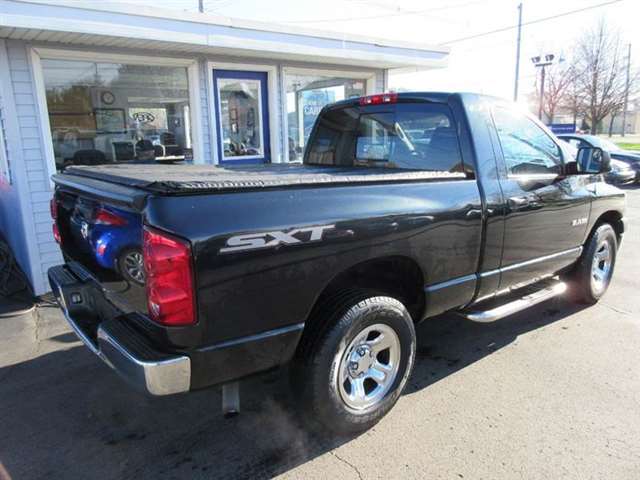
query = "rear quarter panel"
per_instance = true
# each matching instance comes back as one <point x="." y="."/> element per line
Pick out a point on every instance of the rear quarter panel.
<point x="437" y="224"/>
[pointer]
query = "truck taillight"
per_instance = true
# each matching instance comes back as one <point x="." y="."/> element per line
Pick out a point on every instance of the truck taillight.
<point x="53" y="207"/>
<point x="379" y="99"/>
<point x="56" y="234"/>
<point x="105" y="217"/>
<point x="169" y="279"/>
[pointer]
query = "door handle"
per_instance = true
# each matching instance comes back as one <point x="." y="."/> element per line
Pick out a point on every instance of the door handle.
<point x="518" y="202"/>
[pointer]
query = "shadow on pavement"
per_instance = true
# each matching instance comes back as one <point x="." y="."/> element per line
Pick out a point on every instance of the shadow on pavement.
<point x="64" y="414"/>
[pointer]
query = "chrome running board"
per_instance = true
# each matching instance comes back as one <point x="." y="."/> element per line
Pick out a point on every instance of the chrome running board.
<point x="545" y="293"/>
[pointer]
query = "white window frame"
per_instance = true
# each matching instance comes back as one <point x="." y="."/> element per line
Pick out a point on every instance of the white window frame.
<point x="193" y="79"/>
<point x="368" y="76"/>
<point x="272" y="102"/>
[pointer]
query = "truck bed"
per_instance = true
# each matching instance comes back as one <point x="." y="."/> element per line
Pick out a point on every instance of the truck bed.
<point x="184" y="179"/>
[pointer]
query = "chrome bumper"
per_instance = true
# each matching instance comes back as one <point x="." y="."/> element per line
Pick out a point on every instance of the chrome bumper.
<point x="159" y="377"/>
<point x="152" y="372"/>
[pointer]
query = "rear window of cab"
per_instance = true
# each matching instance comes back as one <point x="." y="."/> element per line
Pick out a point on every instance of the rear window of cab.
<point x="412" y="136"/>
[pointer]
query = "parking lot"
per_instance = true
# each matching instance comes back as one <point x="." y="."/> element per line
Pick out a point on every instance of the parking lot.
<point x="553" y="392"/>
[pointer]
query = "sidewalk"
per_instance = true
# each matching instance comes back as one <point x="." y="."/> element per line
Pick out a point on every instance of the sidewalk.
<point x="28" y="332"/>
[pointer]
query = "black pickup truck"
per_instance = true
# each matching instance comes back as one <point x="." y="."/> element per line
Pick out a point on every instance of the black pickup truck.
<point x="406" y="206"/>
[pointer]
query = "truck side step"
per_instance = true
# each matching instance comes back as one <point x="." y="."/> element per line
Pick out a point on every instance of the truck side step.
<point x="533" y="295"/>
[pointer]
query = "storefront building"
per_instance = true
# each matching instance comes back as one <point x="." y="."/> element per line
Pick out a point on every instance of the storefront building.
<point x="102" y="83"/>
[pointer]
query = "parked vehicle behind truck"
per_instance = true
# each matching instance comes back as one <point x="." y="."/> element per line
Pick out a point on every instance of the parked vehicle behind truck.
<point x="406" y="206"/>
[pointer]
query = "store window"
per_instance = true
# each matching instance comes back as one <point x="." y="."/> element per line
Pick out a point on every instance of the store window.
<point x="103" y="113"/>
<point x="306" y="95"/>
<point x="242" y="116"/>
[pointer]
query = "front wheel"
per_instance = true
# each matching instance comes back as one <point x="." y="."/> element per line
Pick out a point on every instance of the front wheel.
<point x="356" y="366"/>
<point x="592" y="275"/>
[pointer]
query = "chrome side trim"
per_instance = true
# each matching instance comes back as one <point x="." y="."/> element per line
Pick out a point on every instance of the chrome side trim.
<point x="517" y="305"/>
<point x="164" y="377"/>
<point x="253" y="338"/>
<point x="450" y="283"/>
<point x="532" y="176"/>
<point x="577" y="251"/>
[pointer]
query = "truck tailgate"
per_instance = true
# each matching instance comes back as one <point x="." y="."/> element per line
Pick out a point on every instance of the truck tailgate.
<point x="97" y="222"/>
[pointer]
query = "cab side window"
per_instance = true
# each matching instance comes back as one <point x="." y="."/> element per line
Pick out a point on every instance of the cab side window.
<point x="526" y="148"/>
<point x="576" y="142"/>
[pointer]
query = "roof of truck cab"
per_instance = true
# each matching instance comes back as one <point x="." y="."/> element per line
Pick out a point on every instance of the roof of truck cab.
<point x="182" y="178"/>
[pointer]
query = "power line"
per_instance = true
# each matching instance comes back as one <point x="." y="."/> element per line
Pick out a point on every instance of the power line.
<point x="531" y="22"/>
<point x="403" y="13"/>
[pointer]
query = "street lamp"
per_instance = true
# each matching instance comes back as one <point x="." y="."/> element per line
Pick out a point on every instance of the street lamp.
<point x="542" y="62"/>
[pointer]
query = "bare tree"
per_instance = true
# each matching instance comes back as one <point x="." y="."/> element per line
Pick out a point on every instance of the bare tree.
<point x="572" y="100"/>
<point x="600" y="74"/>
<point x="558" y="83"/>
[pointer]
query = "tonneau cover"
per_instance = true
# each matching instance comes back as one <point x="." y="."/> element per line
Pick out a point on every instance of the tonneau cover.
<point x="195" y="178"/>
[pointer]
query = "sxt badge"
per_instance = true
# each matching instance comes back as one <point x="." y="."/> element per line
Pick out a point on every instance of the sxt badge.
<point x="254" y="241"/>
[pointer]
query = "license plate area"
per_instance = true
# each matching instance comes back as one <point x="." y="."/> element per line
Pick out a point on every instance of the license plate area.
<point x="82" y="300"/>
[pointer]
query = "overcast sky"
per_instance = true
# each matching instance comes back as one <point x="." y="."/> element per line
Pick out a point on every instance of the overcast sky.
<point x="485" y="64"/>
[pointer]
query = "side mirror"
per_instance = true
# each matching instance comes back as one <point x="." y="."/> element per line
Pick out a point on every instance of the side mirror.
<point x="591" y="160"/>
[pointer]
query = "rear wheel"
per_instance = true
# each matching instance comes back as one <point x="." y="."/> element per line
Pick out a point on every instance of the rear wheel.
<point x="131" y="265"/>
<point x="592" y="275"/>
<point x="354" y="367"/>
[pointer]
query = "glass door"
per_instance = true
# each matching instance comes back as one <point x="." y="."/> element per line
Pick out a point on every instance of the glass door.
<point x="242" y="117"/>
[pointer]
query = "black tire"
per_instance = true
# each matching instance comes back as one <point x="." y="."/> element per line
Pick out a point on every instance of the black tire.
<point x="334" y="325"/>
<point x="583" y="286"/>
<point x="124" y="267"/>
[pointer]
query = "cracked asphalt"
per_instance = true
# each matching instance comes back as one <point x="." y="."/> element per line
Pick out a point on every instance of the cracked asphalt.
<point x="553" y="392"/>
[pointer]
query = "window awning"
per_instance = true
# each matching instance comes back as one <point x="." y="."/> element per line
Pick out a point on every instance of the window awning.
<point x="107" y="24"/>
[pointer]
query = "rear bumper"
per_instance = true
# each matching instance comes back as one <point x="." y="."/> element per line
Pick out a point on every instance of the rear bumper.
<point x="115" y="342"/>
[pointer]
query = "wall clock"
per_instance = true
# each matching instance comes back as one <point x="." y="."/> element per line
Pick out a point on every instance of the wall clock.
<point x="107" y="97"/>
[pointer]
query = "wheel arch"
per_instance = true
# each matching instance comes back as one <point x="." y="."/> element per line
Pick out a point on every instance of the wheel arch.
<point x="613" y="218"/>
<point x="396" y="276"/>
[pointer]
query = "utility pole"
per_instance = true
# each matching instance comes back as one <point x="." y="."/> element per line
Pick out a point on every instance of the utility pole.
<point x="515" y="88"/>
<point x="542" y="62"/>
<point x="626" y="93"/>
<point x="540" y="107"/>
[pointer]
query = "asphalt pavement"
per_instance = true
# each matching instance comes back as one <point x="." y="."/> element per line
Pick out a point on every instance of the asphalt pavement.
<point x="550" y="393"/>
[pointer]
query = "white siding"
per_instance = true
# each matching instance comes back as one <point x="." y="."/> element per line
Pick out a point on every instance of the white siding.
<point x="5" y="171"/>
<point x="13" y="204"/>
<point x="36" y="189"/>
<point x="207" y="151"/>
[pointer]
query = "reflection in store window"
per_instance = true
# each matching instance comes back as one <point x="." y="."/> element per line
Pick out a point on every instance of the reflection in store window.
<point x="240" y="117"/>
<point x="103" y="113"/>
<point x="306" y="95"/>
